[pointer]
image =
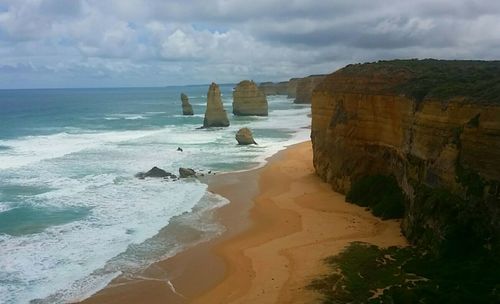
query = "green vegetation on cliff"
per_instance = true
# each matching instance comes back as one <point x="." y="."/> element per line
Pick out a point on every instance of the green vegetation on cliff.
<point x="449" y="225"/>
<point x="421" y="143"/>
<point x="365" y="273"/>
<point x="441" y="222"/>
<point x="451" y="263"/>
<point x="443" y="79"/>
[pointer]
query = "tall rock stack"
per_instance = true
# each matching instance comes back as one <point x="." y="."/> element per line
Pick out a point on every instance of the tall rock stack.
<point x="215" y="115"/>
<point x="249" y="100"/>
<point x="187" y="109"/>
<point x="305" y="87"/>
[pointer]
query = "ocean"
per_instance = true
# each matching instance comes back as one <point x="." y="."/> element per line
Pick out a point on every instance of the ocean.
<point x="72" y="214"/>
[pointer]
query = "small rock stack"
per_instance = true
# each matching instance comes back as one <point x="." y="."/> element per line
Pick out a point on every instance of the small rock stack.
<point x="187" y="108"/>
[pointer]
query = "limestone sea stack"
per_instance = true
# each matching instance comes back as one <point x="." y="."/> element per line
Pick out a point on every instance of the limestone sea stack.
<point x="187" y="108"/>
<point x="245" y="137"/>
<point x="215" y="115"/>
<point x="249" y="100"/>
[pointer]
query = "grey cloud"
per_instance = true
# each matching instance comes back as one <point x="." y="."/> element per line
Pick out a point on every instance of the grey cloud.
<point x="17" y="68"/>
<point x="62" y="8"/>
<point x="460" y="10"/>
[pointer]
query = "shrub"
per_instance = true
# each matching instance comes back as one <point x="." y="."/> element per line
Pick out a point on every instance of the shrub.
<point x="380" y="193"/>
<point x="365" y="273"/>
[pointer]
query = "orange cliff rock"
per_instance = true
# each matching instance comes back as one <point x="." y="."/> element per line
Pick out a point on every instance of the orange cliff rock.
<point x="364" y="122"/>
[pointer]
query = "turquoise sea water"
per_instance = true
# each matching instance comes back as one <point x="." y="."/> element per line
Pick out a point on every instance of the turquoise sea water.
<point x="72" y="215"/>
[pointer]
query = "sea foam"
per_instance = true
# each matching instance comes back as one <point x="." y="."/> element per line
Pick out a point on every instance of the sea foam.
<point x="31" y="149"/>
<point x="130" y="223"/>
<point x="129" y="213"/>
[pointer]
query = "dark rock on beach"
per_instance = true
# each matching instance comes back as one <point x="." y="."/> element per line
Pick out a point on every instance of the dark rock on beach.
<point x="154" y="172"/>
<point x="244" y="137"/>
<point x="186" y="172"/>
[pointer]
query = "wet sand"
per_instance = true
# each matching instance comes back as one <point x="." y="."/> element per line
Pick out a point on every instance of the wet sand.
<point x="281" y="223"/>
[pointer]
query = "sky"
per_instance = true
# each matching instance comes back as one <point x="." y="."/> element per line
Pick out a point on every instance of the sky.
<point x="121" y="43"/>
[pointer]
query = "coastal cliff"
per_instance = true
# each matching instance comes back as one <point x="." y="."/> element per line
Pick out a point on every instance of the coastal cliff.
<point x="298" y="88"/>
<point x="432" y="125"/>
<point x="292" y="87"/>
<point x="304" y="88"/>
<point x="274" y="88"/>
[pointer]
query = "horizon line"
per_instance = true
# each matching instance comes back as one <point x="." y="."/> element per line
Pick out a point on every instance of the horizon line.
<point x="113" y="87"/>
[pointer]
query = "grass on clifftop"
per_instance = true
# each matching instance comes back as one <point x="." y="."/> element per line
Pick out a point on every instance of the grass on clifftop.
<point x="365" y="273"/>
<point x="380" y="193"/>
<point x="444" y="79"/>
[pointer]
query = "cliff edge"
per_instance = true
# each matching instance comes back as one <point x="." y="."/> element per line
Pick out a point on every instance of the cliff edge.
<point x="432" y="125"/>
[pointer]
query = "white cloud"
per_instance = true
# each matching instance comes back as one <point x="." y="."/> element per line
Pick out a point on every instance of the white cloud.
<point x="191" y="41"/>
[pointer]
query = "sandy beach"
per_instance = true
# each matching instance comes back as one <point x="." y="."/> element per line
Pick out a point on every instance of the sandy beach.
<point x="281" y="223"/>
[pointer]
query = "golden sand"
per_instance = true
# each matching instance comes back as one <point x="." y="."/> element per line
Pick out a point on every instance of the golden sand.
<point x="282" y="222"/>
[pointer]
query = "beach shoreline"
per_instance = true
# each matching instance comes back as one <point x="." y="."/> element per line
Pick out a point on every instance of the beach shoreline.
<point x="281" y="222"/>
<point x="170" y="280"/>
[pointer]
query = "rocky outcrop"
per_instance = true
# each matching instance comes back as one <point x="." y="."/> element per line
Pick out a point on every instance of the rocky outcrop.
<point x="186" y="172"/>
<point x="274" y="88"/>
<point x="187" y="108"/>
<point x="154" y="172"/>
<point x="244" y="136"/>
<point x="305" y="87"/>
<point x="215" y="115"/>
<point x="433" y="125"/>
<point x="249" y="100"/>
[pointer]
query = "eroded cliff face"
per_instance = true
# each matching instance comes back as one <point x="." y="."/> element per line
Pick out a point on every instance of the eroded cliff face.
<point x="363" y="125"/>
<point x="305" y="86"/>
<point x="292" y="87"/>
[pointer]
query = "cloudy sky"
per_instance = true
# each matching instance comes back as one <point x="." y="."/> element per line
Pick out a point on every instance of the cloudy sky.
<point x="103" y="43"/>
